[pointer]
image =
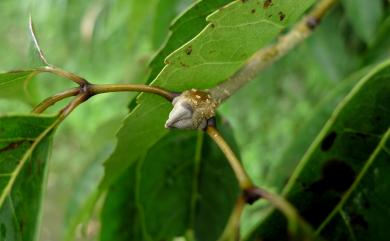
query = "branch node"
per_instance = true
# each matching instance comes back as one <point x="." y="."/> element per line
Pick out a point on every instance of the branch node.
<point x="251" y="195"/>
<point x="212" y="122"/>
<point x="312" y="22"/>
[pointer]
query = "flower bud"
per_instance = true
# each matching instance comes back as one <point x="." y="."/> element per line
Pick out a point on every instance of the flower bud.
<point x="191" y="110"/>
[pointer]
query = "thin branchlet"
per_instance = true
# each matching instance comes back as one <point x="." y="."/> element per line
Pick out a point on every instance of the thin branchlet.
<point x="65" y="74"/>
<point x="79" y="99"/>
<point x="92" y="90"/>
<point x="106" y="88"/>
<point x="54" y="99"/>
<point x="35" y="41"/>
<point x="241" y="175"/>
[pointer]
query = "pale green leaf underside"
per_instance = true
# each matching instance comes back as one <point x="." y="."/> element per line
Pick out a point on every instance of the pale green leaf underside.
<point x="233" y="34"/>
<point x="14" y="85"/>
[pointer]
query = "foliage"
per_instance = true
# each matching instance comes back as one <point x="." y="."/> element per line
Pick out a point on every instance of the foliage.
<point x="337" y="160"/>
<point x="25" y="146"/>
<point x="312" y="128"/>
<point x="184" y="181"/>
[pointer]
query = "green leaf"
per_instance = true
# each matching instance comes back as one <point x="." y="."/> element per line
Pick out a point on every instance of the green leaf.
<point x="363" y="212"/>
<point x="165" y="12"/>
<point x="365" y="17"/>
<point x="184" y="185"/>
<point x="25" y="143"/>
<point x="15" y="85"/>
<point x="330" y="168"/>
<point x="183" y="29"/>
<point x="233" y="34"/>
<point x="308" y="132"/>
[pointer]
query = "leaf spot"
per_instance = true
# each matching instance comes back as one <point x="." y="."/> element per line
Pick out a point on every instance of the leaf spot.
<point x="189" y="50"/>
<point x="267" y="4"/>
<point x="282" y="16"/>
<point x="328" y="141"/>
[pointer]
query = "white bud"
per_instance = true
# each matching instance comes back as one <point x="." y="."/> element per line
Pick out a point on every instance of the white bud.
<point x="181" y="115"/>
<point x="191" y="110"/>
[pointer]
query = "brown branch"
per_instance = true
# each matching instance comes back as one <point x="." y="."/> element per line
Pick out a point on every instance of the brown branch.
<point x="80" y="98"/>
<point x="241" y="175"/>
<point x="105" y="88"/>
<point x="266" y="56"/>
<point x="54" y="99"/>
<point x="65" y="74"/>
<point x="92" y="90"/>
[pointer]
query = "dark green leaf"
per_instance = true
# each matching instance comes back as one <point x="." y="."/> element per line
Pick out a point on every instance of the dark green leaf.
<point x="307" y="133"/>
<point x="183" y="186"/>
<point x="25" y="143"/>
<point x="363" y="212"/>
<point x="330" y="167"/>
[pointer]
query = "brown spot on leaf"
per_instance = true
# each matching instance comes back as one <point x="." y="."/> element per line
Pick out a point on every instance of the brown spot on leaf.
<point x="11" y="146"/>
<point x="267" y="4"/>
<point x="253" y="11"/>
<point x="212" y="25"/>
<point x="328" y="141"/>
<point x="189" y="50"/>
<point x="184" y="65"/>
<point x="282" y="16"/>
<point x="324" y="194"/>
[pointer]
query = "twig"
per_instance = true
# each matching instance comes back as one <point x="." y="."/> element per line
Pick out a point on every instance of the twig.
<point x="80" y="98"/>
<point x="62" y="73"/>
<point x="105" y="88"/>
<point x="54" y="99"/>
<point x="295" y="222"/>
<point x="265" y="57"/>
<point x="296" y="225"/>
<point x="91" y="90"/>
<point x="241" y="175"/>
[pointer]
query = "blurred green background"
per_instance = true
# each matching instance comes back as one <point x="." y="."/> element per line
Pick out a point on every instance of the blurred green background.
<point x="112" y="41"/>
